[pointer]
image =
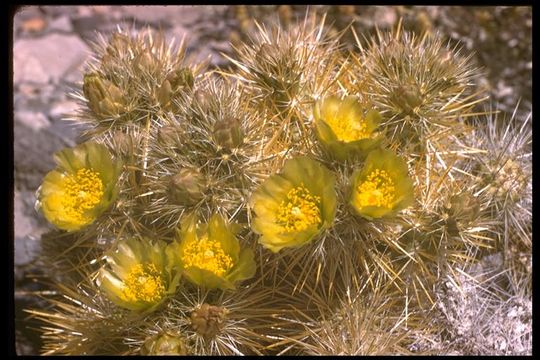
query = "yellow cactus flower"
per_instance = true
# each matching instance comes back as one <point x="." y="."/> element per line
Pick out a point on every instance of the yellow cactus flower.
<point x="294" y="206"/>
<point x="81" y="188"/>
<point x="382" y="187"/>
<point x="139" y="276"/>
<point x="343" y="128"/>
<point x="210" y="254"/>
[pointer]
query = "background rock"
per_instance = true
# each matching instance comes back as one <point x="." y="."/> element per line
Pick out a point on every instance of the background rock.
<point x="47" y="59"/>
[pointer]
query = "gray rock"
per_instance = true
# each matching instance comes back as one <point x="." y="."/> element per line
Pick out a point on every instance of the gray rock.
<point x="182" y="15"/>
<point x="33" y="120"/>
<point x="33" y="152"/>
<point x="63" y="108"/>
<point x="89" y="25"/>
<point x="61" y="24"/>
<point x="27" y="68"/>
<point x="55" y="11"/>
<point x="47" y="59"/>
<point x="68" y="131"/>
<point x="177" y="33"/>
<point x="27" y="230"/>
<point x="27" y="12"/>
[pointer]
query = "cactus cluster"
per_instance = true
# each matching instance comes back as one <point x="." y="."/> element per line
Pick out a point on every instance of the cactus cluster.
<point x="310" y="200"/>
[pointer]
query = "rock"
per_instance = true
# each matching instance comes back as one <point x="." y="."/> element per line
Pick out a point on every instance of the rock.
<point x="68" y="131"/>
<point x="182" y="15"/>
<point x="27" y="230"/>
<point x="33" y="120"/>
<point x="86" y="26"/>
<point x="49" y="58"/>
<point x="177" y="33"/>
<point x="32" y="94"/>
<point x="35" y="24"/>
<point x="24" y="15"/>
<point x="33" y="152"/>
<point x="28" y="69"/>
<point x="62" y="109"/>
<point x="55" y="11"/>
<point x="61" y="24"/>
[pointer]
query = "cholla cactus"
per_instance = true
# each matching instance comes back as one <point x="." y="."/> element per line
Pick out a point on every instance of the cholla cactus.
<point x="307" y="201"/>
<point x="420" y="85"/>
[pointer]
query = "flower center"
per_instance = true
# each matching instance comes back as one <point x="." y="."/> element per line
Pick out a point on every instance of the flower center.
<point x="143" y="283"/>
<point x="208" y="255"/>
<point x="377" y="190"/>
<point x="348" y="129"/>
<point x="300" y="210"/>
<point x="83" y="191"/>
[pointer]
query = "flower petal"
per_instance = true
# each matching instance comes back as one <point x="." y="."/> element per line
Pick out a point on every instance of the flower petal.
<point x="245" y="267"/>
<point x="218" y="230"/>
<point x="208" y="279"/>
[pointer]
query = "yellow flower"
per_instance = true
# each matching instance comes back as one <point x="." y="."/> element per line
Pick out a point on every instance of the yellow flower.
<point x="139" y="276"/>
<point x="81" y="188"/>
<point x="382" y="187"/>
<point x="210" y="254"/>
<point x="294" y="206"/>
<point x="342" y="127"/>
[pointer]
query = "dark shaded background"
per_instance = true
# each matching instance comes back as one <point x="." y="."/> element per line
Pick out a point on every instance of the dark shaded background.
<point x="51" y="43"/>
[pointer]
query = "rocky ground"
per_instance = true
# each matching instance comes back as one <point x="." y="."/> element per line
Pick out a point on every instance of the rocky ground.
<point x="52" y="43"/>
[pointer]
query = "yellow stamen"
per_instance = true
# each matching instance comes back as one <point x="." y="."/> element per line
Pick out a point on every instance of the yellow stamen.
<point x="208" y="255"/>
<point x="82" y="191"/>
<point x="300" y="210"/>
<point x="143" y="283"/>
<point x="377" y="190"/>
<point x="348" y="129"/>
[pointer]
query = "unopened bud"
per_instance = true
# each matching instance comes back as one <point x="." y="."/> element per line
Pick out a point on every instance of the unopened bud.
<point x="145" y="61"/>
<point x="208" y="320"/>
<point x="228" y="133"/>
<point x="104" y="98"/>
<point x="164" y="94"/>
<point x="188" y="186"/>
<point x="268" y="53"/>
<point x="118" y="44"/>
<point x="462" y="209"/>
<point x="164" y="344"/>
<point x="181" y="78"/>
<point x="168" y="135"/>
<point x="407" y="97"/>
<point x="122" y="142"/>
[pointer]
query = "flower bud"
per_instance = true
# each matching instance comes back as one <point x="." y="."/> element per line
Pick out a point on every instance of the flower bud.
<point x="145" y="61"/>
<point x="168" y="135"/>
<point x="228" y="133"/>
<point x="164" y="344"/>
<point x="461" y="210"/>
<point x="118" y="44"/>
<point x="122" y="141"/>
<point x="407" y="97"/>
<point x="180" y="78"/>
<point x="164" y="94"/>
<point x="188" y="186"/>
<point x="208" y="320"/>
<point x="268" y="53"/>
<point x="104" y="98"/>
